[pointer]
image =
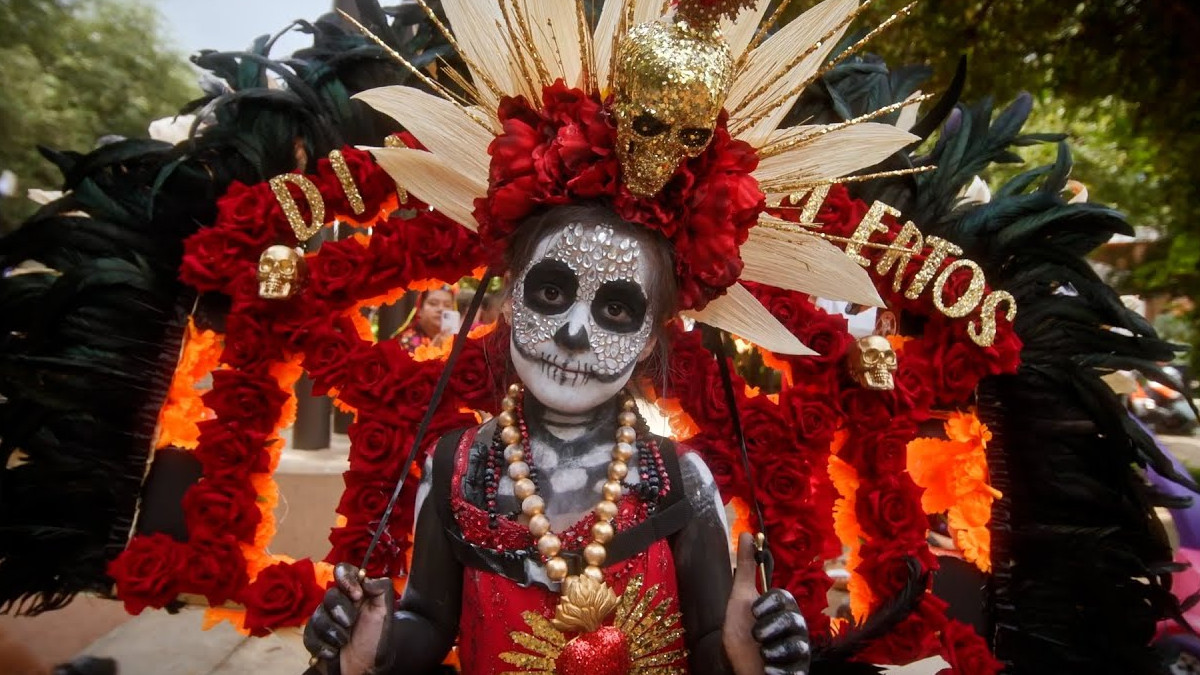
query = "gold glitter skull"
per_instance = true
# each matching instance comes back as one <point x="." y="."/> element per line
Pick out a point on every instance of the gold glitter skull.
<point x="670" y="84"/>
<point x="872" y="362"/>
<point x="279" y="271"/>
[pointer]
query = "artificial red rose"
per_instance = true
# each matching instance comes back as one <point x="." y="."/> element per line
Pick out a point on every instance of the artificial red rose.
<point x="891" y="507"/>
<point x="956" y="286"/>
<point x="338" y="270"/>
<point x="804" y="534"/>
<point x="216" y="507"/>
<point x="349" y="544"/>
<point x="826" y="334"/>
<point x="1004" y="355"/>
<point x="254" y="212"/>
<point x="724" y="461"/>
<point x="440" y="248"/>
<point x="284" y="594"/>
<point x="884" y="565"/>
<point x="377" y="448"/>
<point x="783" y="483"/>
<point x="690" y="362"/>
<point x="863" y="406"/>
<point x="709" y="401"/>
<point x="328" y="352"/>
<point x="791" y="308"/>
<point x="880" y="450"/>
<point x="966" y="652"/>
<point x="474" y="381"/>
<point x="365" y="496"/>
<point x="248" y="343"/>
<point x="415" y="393"/>
<point x="767" y="435"/>
<point x="216" y="569"/>
<point x="296" y="327"/>
<point x="231" y="452"/>
<point x="812" y="420"/>
<point x="840" y="213"/>
<point x="809" y="584"/>
<point x="376" y="374"/>
<point x="250" y="401"/>
<point x="148" y="571"/>
<point x="913" y="377"/>
<point x="374" y="184"/>
<point x="512" y="151"/>
<point x="956" y="372"/>
<point x="391" y="253"/>
<point x="214" y="257"/>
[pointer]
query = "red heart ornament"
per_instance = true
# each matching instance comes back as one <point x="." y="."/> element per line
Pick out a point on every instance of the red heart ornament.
<point x="604" y="651"/>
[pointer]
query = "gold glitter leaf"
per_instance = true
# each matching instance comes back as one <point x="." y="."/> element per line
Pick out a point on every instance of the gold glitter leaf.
<point x="628" y="599"/>
<point x="535" y="645"/>
<point x="542" y="628"/>
<point x="529" y="662"/>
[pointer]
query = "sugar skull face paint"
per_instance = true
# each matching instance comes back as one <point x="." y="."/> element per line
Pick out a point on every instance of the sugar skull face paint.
<point x="581" y="316"/>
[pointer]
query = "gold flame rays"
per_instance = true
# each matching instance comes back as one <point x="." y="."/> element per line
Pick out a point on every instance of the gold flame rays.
<point x="646" y="620"/>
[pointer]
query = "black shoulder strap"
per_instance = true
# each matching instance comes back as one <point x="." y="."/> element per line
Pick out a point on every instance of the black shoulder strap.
<point x="444" y="455"/>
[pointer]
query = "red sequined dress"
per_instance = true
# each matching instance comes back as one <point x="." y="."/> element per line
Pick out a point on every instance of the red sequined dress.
<point x="505" y="621"/>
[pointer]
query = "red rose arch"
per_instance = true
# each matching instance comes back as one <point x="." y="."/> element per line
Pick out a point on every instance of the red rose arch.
<point x="828" y="457"/>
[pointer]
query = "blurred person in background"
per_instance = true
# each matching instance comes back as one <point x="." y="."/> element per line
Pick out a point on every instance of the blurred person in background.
<point x="427" y="326"/>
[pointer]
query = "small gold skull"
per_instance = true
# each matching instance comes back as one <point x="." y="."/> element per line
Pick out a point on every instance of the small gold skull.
<point x="872" y="362"/>
<point x="280" y="269"/>
<point x="669" y="86"/>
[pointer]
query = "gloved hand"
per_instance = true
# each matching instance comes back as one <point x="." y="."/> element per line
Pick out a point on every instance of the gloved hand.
<point x="349" y="625"/>
<point x="763" y="633"/>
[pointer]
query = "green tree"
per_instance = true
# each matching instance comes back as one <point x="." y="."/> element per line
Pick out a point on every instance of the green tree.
<point x="73" y="71"/>
<point x="1122" y="77"/>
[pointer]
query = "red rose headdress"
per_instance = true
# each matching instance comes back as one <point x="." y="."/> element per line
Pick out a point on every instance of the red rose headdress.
<point x="673" y="122"/>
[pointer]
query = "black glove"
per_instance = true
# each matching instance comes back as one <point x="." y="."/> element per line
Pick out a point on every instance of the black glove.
<point x="782" y="633"/>
<point x="334" y="625"/>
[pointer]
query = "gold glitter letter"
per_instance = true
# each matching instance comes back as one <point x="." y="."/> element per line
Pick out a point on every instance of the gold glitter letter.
<point x="304" y="231"/>
<point x="935" y="258"/>
<point x="871" y="223"/>
<point x="342" y="171"/>
<point x="969" y="300"/>
<point x="816" y="199"/>
<point x="987" y="334"/>
<point x="909" y="238"/>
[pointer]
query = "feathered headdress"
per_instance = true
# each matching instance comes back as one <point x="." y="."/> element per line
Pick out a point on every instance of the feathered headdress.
<point x="673" y="121"/>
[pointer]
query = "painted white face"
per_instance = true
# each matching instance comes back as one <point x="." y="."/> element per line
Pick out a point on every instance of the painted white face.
<point x="581" y="317"/>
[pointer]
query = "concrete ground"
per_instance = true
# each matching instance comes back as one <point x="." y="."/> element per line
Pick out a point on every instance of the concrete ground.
<point x="156" y="642"/>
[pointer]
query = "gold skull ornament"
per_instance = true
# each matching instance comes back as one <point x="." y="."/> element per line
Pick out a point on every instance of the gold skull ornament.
<point x="669" y="86"/>
<point x="872" y="362"/>
<point x="279" y="272"/>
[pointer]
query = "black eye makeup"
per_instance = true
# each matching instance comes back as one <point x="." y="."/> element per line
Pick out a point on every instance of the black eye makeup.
<point x="620" y="306"/>
<point x="695" y="138"/>
<point x="550" y="287"/>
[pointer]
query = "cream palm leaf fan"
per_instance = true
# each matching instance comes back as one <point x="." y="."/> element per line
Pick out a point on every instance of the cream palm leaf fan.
<point x="518" y="48"/>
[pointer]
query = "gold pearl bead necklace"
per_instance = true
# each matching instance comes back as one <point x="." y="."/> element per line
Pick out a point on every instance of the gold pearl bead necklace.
<point x="534" y="507"/>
